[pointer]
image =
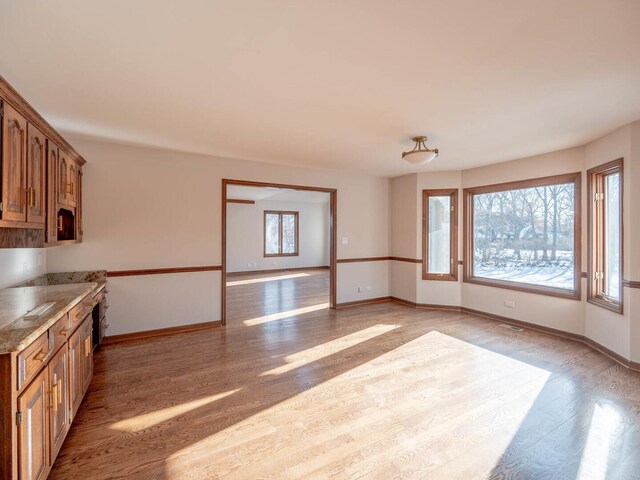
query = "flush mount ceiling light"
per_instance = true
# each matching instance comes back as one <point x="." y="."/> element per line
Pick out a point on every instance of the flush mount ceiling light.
<point x="420" y="153"/>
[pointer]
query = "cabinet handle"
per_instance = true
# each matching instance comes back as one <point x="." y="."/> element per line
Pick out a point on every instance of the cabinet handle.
<point x="41" y="356"/>
<point x="87" y="346"/>
<point x="54" y="396"/>
<point x="27" y="197"/>
<point x="32" y="197"/>
<point x="64" y="332"/>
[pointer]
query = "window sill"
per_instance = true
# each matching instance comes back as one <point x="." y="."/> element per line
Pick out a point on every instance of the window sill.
<point x="271" y="255"/>
<point x="525" y="287"/>
<point x="440" y="277"/>
<point x="607" y="305"/>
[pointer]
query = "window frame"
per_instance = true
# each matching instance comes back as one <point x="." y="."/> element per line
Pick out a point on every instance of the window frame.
<point x="468" y="276"/>
<point x="596" y="218"/>
<point x="452" y="276"/>
<point x="280" y="213"/>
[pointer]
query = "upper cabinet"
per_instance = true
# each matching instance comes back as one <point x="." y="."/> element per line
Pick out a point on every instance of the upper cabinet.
<point x="41" y="192"/>
<point x="14" y="165"/>
<point x="36" y="176"/>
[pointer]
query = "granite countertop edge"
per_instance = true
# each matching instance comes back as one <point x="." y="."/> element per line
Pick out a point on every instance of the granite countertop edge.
<point x="19" y="334"/>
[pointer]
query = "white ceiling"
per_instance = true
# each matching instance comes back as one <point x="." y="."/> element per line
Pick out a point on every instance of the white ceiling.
<point x="332" y="84"/>
<point x="241" y="192"/>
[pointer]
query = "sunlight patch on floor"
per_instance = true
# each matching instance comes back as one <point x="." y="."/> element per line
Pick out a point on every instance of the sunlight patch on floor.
<point x="281" y="315"/>
<point x="381" y="393"/>
<point x="595" y="456"/>
<point x="314" y="354"/>
<point x="250" y="281"/>
<point x="148" y="420"/>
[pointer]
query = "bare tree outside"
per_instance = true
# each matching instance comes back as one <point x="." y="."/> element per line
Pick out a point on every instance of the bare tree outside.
<point x="526" y="235"/>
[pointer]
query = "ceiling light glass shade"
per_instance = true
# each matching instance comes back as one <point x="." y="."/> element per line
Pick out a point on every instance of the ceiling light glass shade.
<point x="420" y="154"/>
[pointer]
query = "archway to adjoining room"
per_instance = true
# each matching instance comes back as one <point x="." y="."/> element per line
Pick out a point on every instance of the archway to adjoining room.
<point x="278" y="251"/>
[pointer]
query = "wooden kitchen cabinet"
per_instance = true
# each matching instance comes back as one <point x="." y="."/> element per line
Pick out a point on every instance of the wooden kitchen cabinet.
<point x="80" y="364"/>
<point x="33" y="429"/>
<point x="41" y="388"/>
<point x="14" y="164"/>
<point x="52" y="193"/>
<point x="41" y="173"/>
<point x="36" y="176"/>
<point x="59" y="409"/>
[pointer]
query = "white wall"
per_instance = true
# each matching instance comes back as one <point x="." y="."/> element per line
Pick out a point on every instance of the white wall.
<point x="150" y="208"/>
<point x="245" y="236"/>
<point x="20" y="264"/>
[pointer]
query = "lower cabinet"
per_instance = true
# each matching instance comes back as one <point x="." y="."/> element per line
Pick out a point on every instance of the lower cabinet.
<point x="47" y="406"/>
<point x="59" y="410"/>
<point x="80" y="364"/>
<point x="33" y="431"/>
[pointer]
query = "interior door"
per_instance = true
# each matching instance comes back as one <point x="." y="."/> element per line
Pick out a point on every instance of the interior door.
<point x="33" y="438"/>
<point x="36" y="176"/>
<point x="14" y="165"/>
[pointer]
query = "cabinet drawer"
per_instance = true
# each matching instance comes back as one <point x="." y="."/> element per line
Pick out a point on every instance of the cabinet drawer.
<point x="76" y="315"/>
<point x="59" y="333"/>
<point x="32" y="359"/>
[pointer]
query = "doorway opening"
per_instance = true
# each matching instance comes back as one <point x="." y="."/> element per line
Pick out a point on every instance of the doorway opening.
<point x="278" y="251"/>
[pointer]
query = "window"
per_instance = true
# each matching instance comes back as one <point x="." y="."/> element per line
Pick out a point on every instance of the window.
<point x="525" y="235"/>
<point x="605" y="236"/>
<point x="280" y="234"/>
<point x="440" y="235"/>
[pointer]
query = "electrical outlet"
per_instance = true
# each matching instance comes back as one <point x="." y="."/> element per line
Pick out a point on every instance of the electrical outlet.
<point x="360" y="289"/>
<point x="510" y="304"/>
<point x="345" y="240"/>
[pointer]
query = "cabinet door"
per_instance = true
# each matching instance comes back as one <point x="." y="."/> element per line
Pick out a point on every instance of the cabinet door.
<point x="36" y="175"/>
<point x="52" y="192"/>
<point x="59" y="411"/>
<point x="14" y="165"/>
<point x="64" y="186"/>
<point x="76" y="377"/>
<point x="33" y="438"/>
<point x="87" y="354"/>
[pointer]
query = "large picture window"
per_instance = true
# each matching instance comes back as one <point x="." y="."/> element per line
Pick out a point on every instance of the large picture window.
<point x="525" y="235"/>
<point x="440" y="234"/>
<point x="605" y="236"/>
<point x="280" y="233"/>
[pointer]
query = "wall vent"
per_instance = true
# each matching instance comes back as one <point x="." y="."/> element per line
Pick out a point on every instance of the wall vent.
<point x="511" y="327"/>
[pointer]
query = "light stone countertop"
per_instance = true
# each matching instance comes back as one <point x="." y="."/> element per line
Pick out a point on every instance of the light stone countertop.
<point x="16" y="333"/>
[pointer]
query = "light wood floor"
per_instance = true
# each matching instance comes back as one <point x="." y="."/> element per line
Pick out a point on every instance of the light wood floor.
<point x="376" y="392"/>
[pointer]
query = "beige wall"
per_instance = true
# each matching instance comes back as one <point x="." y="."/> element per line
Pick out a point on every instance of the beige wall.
<point x="133" y="220"/>
<point x="149" y="208"/>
